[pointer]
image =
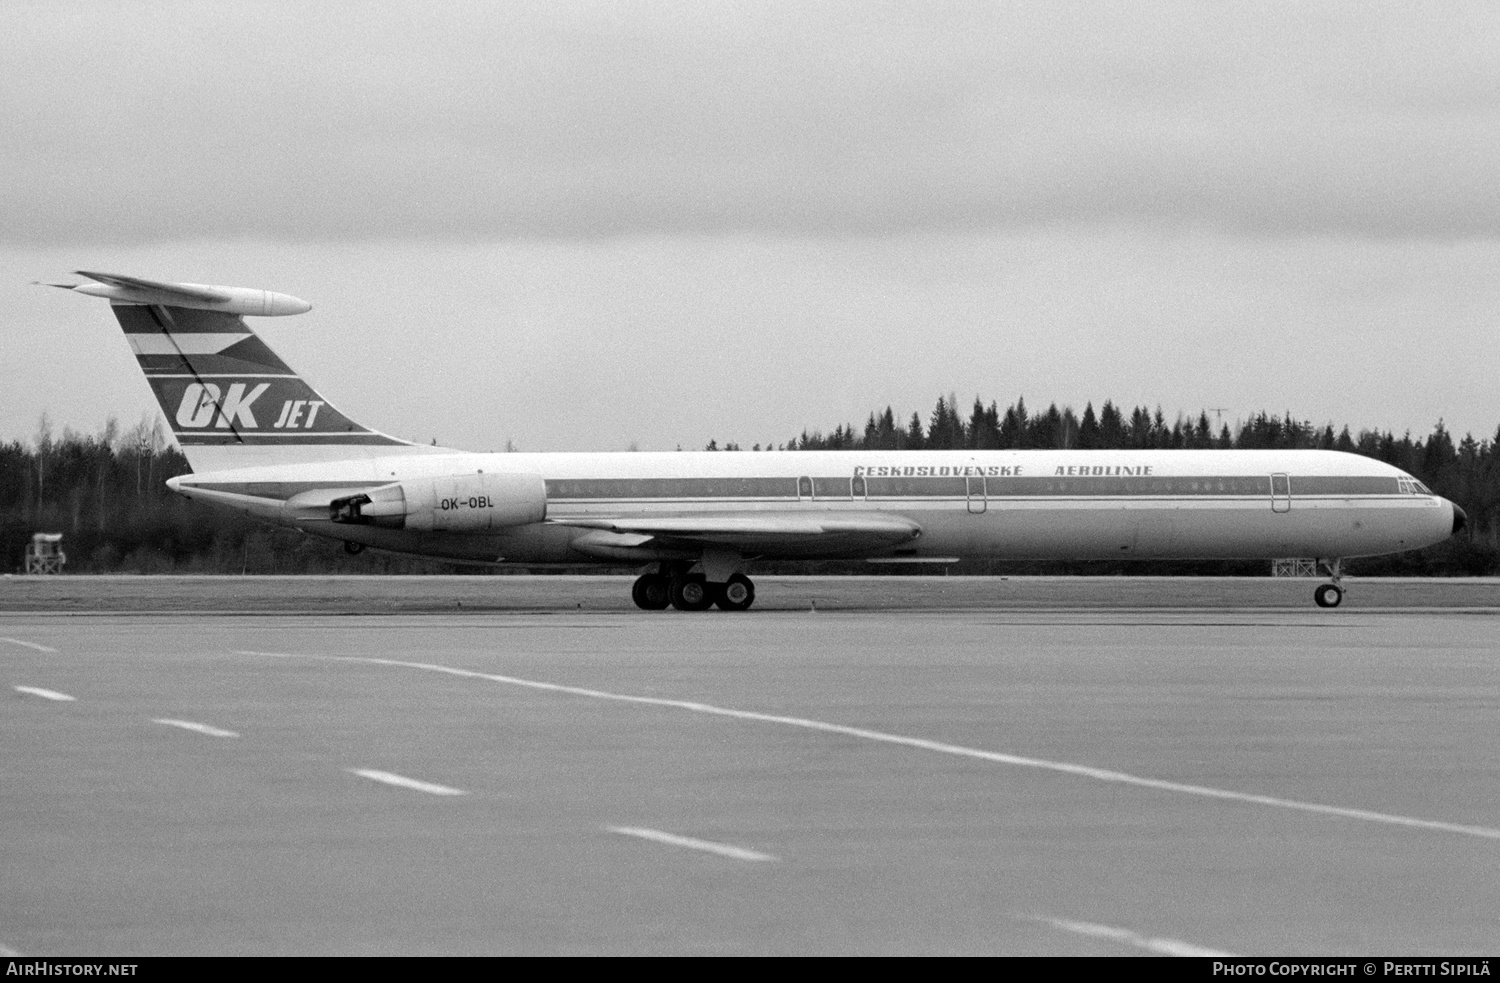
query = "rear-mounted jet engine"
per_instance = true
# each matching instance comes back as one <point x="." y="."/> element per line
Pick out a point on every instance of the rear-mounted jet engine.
<point x="462" y="503"/>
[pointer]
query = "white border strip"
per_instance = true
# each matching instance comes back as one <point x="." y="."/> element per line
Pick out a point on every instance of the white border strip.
<point x="184" y="343"/>
<point x="708" y="846"/>
<point x="196" y="727"/>
<point x="401" y="781"/>
<point x="30" y="645"/>
<point x="1165" y="947"/>
<point x="921" y="743"/>
<point x="46" y="694"/>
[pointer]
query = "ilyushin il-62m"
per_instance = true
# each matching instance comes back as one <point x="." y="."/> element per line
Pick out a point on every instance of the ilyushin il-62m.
<point x="260" y="440"/>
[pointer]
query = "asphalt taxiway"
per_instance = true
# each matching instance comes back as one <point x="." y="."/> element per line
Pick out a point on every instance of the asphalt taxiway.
<point x="985" y="780"/>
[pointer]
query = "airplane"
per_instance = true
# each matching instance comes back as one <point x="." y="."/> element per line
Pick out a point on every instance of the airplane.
<point x="260" y="440"/>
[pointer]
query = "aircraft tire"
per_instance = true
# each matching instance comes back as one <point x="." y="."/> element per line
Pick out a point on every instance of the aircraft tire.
<point x="1328" y="595"/>
<point x="353" y="548"/>
<point x="737" y="594"/>
<point x="651" y="592"/>
<point x="692" y="593"/>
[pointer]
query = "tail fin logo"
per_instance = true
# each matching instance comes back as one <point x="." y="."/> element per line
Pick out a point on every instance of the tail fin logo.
<point x="201" y="399"/>
<point x="198" y="405"/>
<point x="292" y="410"/>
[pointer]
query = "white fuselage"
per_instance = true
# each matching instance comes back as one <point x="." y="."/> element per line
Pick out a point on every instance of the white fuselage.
<point x="1069" y="505"/>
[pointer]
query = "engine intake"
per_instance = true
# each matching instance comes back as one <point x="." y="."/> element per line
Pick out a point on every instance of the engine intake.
<point x="461" y="503"/>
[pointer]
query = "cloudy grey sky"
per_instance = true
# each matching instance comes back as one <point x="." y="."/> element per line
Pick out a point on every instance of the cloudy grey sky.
<point x="582" y="225"/>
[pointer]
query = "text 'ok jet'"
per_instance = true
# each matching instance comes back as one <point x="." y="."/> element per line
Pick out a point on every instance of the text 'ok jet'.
<point x="260" y="440"/>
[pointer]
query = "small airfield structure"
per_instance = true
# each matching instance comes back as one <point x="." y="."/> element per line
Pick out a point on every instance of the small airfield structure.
<point x="45" y="553"/>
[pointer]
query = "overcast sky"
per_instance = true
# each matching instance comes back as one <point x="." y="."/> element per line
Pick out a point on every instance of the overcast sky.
<point x="586" y="225"/>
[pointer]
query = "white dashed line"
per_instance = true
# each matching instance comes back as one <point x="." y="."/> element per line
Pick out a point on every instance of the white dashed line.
<point x="46" y="694"/>
<point x="708" y="846"/>
<point x="922" y="743"/>
<point x="1165" y="947"/>
<point x="30" y="645"/>
<point x="401" y="781"/>
<point x="197" y="727"/>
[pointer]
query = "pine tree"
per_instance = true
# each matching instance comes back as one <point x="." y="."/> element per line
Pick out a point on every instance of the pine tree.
<point x="984" y="427"/>
<point x="914" y="438"/>
<point x="1202" y="435"/>
<point x="1012" y="429"/>
<point x="1111" y="428"/>
<point x="1088" y="430"/>
<point x="887" y="431"/>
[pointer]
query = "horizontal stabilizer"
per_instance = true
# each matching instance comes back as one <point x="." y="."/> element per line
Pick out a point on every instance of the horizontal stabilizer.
<point x="185" y="291"/>
<point x="193" y="296"/>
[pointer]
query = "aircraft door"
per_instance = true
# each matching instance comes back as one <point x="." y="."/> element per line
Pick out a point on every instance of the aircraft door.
<point x="974" y="486"/>
<point x="1281" y="493"/>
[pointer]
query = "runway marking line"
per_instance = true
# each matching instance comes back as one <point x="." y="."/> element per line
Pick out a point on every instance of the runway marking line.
<point x="46" y="694"/>
<point x="401" y="781"/>
<point x="196" y="727"/>
<point x="30" y="645"/>
<point x="1165" y="947"/>
<point x="922" y="743"/>
<point x="690" y="843"/>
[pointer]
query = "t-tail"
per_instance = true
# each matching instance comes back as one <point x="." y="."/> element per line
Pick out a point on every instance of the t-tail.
<point x="230" y="400"/>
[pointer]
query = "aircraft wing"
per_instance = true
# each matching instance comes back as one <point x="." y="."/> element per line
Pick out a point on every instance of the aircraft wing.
<point x="848" y="531"/>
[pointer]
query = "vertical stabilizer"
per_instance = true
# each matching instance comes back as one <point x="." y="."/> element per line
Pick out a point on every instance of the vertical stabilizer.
<point x="230" y="400"/>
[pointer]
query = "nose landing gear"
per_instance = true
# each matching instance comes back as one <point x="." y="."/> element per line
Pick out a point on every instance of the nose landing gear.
<point x="1329" y="595"/>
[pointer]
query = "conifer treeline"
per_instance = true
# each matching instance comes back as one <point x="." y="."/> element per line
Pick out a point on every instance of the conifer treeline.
<point x="106" y="492"/>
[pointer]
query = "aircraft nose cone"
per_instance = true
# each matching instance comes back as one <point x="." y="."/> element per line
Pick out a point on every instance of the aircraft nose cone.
<point x="1460" y="520"/>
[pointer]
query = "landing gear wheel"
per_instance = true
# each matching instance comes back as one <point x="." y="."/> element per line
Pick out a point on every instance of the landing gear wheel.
<point x="692" y="593"/>
<point x="737" y="594"/>
<point x="652" y="592"/>
<point x="1328" y="595"/>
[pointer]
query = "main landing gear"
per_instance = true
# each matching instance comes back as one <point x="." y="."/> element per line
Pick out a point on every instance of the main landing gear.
<point x="1329" y="595"/>
<point x="652" y="592"/>
<point x="691" y="591"/>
